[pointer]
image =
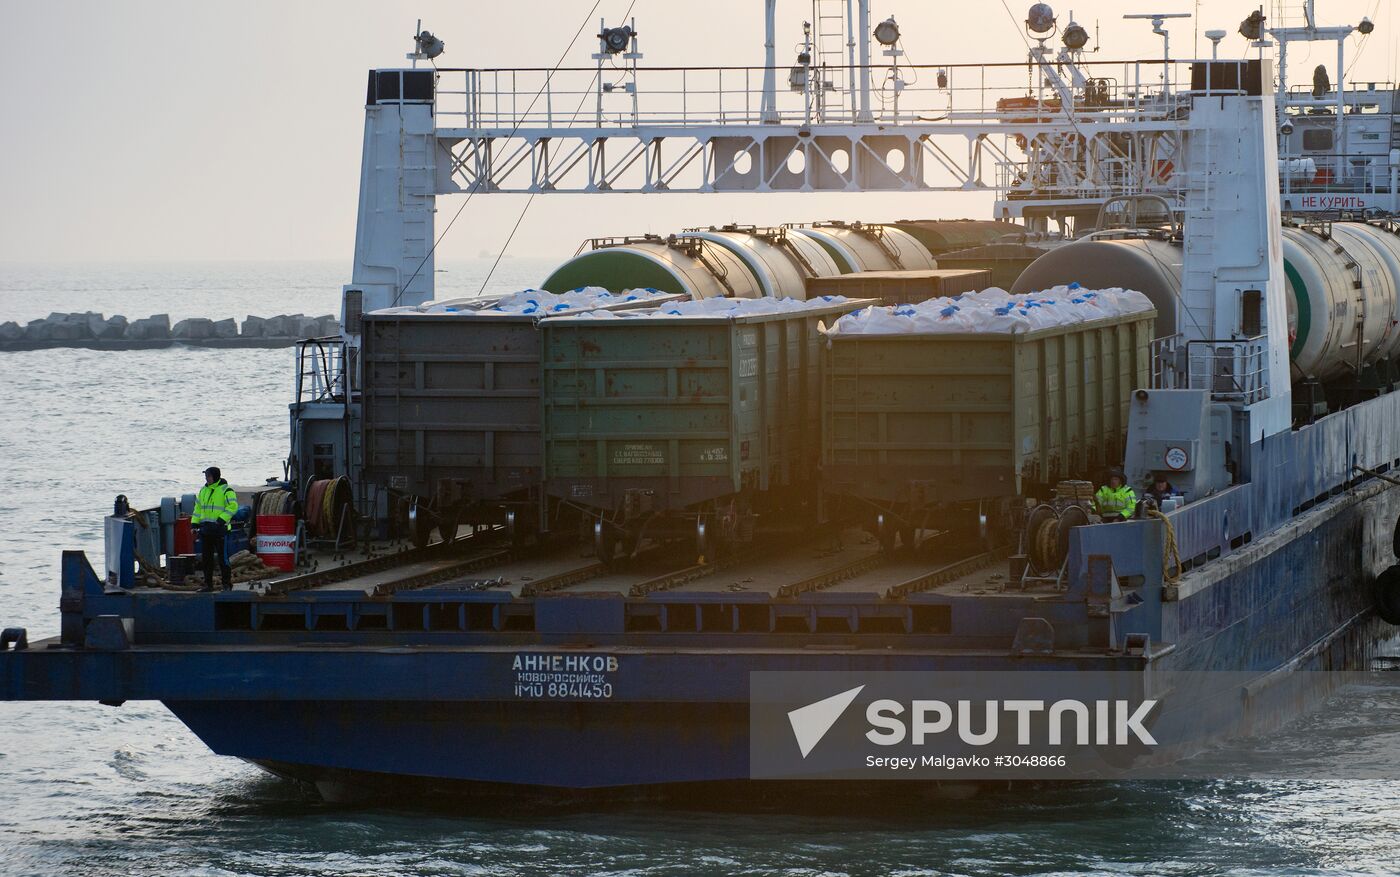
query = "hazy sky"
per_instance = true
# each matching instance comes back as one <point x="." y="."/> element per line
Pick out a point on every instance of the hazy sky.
<point x="201" y="130"/>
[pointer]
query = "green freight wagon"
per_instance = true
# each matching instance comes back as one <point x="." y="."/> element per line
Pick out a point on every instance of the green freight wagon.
<point x="671" y="426"/>
<point x="451" y="415"/>
<point x="949" y="431"/>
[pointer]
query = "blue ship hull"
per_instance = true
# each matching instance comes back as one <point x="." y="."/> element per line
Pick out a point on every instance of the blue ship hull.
<point x="353" y="691"/>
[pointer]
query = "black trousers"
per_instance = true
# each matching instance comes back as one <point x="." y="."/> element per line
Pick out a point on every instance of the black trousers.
<point x="211" y="540"/>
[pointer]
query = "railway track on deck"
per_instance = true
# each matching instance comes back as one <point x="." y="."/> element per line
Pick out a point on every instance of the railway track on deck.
<point x="946" y="573"/>
<point x="922" y="582"/>
<point x="414" y="568"/>
<point x="565" y="579"/>
<point x="425" y="567"/>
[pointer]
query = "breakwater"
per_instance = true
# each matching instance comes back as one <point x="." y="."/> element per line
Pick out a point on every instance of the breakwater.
<point x="94" y="330"/>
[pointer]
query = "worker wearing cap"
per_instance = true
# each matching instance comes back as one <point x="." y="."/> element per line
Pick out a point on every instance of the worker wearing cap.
<point x="214" y="507"/>
<point x="1161" y="489"/>
<point x="1115" y="501"/>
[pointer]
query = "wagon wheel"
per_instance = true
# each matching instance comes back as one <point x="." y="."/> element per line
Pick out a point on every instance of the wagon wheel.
<point x="447" y="526"/>
<point x="632" y="538"/>
<point x="605" y="543"/>
<point x="518" y="529"/>
<point x="993" y="524"/>
<point x="996" y="530"/>
<point x="420" y="526"/>
<point x="711" y="541"/>
<point x="885" y="532"/>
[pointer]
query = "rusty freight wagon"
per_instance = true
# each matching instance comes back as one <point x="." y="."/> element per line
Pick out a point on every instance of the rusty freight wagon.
<point x="949" y="431"/>
<point x="663" y="426"/>
<point x="451" y="425"/>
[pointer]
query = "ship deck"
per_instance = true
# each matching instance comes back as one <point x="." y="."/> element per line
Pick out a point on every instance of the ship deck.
<point x="842" y="561"/>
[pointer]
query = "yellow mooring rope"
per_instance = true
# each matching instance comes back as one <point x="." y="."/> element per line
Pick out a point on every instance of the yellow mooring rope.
<point x="1171" y="556"/>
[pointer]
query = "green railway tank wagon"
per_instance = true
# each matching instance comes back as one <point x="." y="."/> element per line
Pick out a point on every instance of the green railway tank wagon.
<point x="947" y="431"/>
<point x="667" y="426"/>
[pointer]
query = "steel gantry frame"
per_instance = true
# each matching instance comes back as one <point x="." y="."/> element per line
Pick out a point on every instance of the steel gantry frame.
<point x="999" y="128"/>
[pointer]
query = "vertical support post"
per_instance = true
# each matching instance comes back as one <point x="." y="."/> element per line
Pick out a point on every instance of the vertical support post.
<point x="1343" y="166"/>
<point x="851" y="55"/>
<point x="769" y="115"/>
<point x="863" y="43"/>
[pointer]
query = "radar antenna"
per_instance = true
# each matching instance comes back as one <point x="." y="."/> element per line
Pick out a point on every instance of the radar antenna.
<point x="1157" y="19"/>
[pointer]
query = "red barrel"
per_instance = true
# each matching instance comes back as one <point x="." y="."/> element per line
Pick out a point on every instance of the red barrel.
<point x="276" y="542"/>
<point x="184" y="536"/>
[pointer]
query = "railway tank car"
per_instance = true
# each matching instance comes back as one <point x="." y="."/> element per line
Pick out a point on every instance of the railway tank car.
<point x="780" y="261"/>
<point x="691" y="267"/>
<point x="1343" y="294"/>
<point x="730" y="261"/>
<point x="745" y="261"/>
<point x="941" y="236"/>
<point x="860" y="246"/>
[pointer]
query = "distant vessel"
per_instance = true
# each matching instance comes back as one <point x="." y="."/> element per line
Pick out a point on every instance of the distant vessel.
<point x="500" y="661"/>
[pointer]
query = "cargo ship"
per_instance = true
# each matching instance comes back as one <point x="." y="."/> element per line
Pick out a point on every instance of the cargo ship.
<point x="538" y="543"/>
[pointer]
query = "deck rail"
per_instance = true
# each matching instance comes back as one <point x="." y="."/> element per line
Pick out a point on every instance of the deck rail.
<point x="1233" y="370"/>
<point x="625" y="97"/>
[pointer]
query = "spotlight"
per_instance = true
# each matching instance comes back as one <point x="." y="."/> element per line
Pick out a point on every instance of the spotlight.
<point x="616" y="39"/>
<point x="797" y="74"/>
<point x="1286" y="129"/>
<point x="1366" y="26"/>
<point x="1075" y="37"/>
<point x="1040" y="19"/>
<point x="887" y="32"/>
<point x="942" y="78"/>
<point x="1252" y="28"/>
<point x="427" y="45"/>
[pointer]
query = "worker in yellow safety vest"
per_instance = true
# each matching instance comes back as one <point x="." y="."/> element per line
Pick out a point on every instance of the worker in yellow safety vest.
<point x="214" y="507"/>
<point x="1115" y="501"/>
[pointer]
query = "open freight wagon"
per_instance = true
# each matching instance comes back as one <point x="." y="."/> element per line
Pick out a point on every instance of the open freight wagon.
<point x="952" y="431"/>
<point x="663" y="426"/>
<point x="452" y="414"/>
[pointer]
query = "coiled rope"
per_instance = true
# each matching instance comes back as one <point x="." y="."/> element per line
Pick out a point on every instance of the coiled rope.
<point x="1171" y="556"/>
<point x="1045" y="546"/>
<point x="325" y="503"/>
<point x="275" y="502"/>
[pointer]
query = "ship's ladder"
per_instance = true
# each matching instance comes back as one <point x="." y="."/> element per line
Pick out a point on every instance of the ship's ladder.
<point x="831" y="50"/>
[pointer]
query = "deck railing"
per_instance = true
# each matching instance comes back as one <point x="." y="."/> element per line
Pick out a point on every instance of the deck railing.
<point x="1232" y="370"/>
<point x="320" y="374"/>
<point x="503" y="100"/>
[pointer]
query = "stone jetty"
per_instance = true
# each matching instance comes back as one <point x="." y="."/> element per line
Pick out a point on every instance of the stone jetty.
<point x="93" y="330"/>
